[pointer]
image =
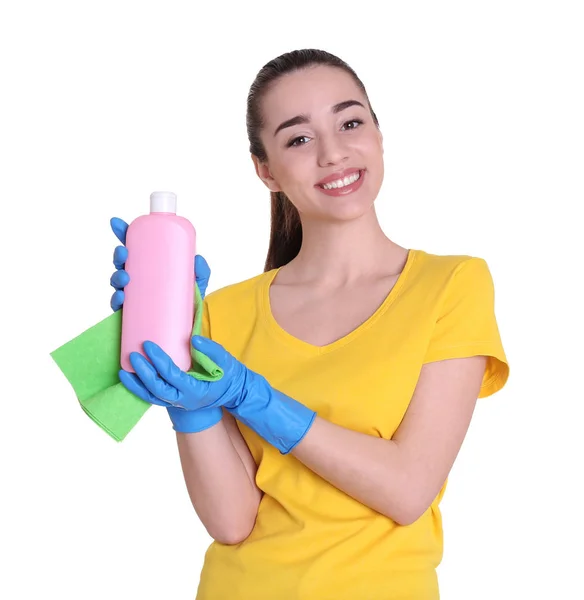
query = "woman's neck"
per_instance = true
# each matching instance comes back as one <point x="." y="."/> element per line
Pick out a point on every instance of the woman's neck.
<point x="336" y="254"/>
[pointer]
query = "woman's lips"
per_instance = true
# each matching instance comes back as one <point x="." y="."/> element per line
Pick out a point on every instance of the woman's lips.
<point x="346" y="189"/>
<point x="339" y="175"/>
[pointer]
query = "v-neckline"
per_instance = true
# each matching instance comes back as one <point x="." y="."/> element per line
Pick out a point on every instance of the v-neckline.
<point x="312" y="349"/>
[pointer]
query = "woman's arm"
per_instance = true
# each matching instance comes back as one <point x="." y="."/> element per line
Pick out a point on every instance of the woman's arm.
<point x="398" y="477"/>
<point x="219" y="473"/>
<point x="242" y="449"/>
<point x="401" y="477"/>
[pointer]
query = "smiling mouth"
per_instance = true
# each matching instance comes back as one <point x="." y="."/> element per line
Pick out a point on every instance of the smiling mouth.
<point x="341" y="183"/>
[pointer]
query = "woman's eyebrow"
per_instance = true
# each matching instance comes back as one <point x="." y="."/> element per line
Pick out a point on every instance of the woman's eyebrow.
<point x="304" y="118"/>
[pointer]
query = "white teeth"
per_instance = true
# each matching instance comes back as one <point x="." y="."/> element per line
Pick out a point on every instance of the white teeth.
<point x="339" y="183"/>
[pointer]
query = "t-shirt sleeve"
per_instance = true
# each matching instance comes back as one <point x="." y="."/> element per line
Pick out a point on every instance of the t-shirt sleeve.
<point x="467" y="326"/>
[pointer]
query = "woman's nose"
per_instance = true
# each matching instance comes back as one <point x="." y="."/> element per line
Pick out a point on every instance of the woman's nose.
<point x="331" y="151"/>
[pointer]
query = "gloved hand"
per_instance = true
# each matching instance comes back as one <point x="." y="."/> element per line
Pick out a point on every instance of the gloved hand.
<point x="279" y="419"/>
<point x="182" y="421"/>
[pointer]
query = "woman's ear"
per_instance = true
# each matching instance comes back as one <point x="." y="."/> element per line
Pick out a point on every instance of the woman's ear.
<point x="263" y="172"/>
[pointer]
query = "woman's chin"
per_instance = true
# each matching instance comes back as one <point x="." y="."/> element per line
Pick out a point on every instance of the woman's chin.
<point x="346" y="207"/>
<point x="344" y="211"/>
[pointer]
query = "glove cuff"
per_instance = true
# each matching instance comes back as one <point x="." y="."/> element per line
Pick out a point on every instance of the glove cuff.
<point x="279" y="419"/>
<point x="193" y="421"/>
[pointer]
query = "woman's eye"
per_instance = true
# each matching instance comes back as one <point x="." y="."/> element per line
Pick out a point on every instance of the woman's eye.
<point x="293" y="142"/>
<point x="358" y="121"/>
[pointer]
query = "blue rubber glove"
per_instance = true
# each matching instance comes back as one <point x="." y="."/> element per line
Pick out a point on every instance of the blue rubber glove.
<point x="279" y="419"/>
<point x="182" y="421"/>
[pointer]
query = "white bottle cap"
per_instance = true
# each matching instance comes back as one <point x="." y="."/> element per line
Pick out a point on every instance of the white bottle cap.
<point x="163" y="202"/>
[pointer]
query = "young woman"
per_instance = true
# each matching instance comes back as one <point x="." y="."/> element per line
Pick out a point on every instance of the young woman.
<point x="352" y="367"/>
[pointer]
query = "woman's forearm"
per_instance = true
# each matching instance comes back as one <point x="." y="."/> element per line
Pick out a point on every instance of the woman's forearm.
<point x="366" y="467"/>
<point x="220" y="488"/>
<point x="401" y="476"/>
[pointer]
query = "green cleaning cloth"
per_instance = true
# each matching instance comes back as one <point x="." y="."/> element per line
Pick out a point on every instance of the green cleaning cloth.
<point x="91" y="362"/>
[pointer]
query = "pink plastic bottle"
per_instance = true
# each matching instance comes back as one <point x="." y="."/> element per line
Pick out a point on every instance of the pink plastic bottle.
<point x="159" y="299"/>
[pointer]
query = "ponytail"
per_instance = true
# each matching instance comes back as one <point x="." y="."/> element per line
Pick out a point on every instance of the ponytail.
<point x="285" y="232"/>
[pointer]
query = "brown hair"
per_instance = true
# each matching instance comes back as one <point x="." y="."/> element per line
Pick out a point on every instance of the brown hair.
<point x="286" y="228"/>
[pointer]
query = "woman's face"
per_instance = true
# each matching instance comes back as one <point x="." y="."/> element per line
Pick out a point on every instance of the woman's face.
<point x="315" y="131"/>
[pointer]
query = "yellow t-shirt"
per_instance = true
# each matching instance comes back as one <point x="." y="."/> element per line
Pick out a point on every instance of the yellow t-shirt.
<point x="311" y="541"/>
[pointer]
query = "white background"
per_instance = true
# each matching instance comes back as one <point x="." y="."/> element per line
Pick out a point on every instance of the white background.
<point x="481" y="105"/>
